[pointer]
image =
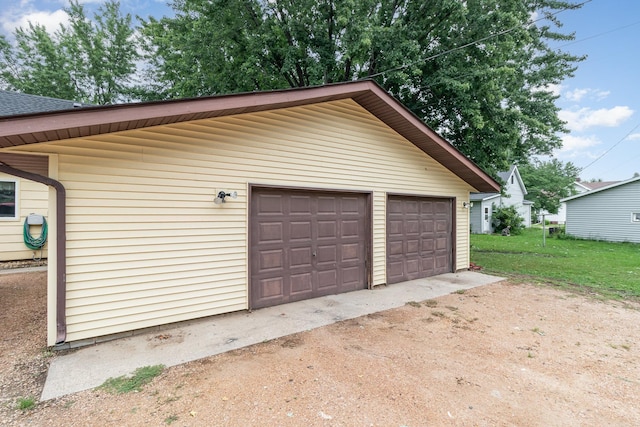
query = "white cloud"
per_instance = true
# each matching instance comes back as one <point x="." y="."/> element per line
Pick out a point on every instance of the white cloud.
<point x="585" y="118"/>
<point x="572" y="142"/>
<point x="10" y="19"/>
<point x="576" y="94"/>
<point x="634" y="137"/>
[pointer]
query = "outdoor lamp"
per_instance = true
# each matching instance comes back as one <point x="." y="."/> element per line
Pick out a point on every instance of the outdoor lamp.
<point x="221" y="196"/>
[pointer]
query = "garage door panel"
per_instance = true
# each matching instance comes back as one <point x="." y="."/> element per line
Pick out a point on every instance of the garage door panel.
<point x="395" y="248"/>
<point x="300" y="284"/>
<point x="327" y="230"/>
<point x="305" y="244"/>
<point x="300" y="230"/>
<point x="427" y="245"/>
<point x="271" y="259"/>
<point x="300" y="257"/>
<point x="270" y="204"/>
<point x="271" y="232"/>
<point x="327" y="254"/>
<point x="350" y="228"/>
<point x="327" y="279"/>
<point x="351" y="205"/>
<point x="298" y="204"/>
<point x="442" y="243"/>
<point x="412" y="226"/>
<point x="412" y="248"/>
<point x="412" y="268"/>
<point x="394" y="227"/>
<point x="350" y="252"/>
<point x="419" y="237"/>
<point x="272" y="287"/>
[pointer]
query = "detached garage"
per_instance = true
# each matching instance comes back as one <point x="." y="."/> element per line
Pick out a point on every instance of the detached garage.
<point x="168" y="211"/>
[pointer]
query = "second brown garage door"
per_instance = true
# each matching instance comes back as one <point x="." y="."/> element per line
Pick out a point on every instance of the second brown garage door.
<point x="306" y="244"/>
<point x="419" y="237"/>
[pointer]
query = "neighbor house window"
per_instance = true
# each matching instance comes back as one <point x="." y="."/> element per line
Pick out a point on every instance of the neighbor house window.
<point x="635" y="217"/>
<point x="8" y="200"/>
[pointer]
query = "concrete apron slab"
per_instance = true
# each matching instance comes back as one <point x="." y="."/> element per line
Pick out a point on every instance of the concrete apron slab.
<point x="89" y="367"/>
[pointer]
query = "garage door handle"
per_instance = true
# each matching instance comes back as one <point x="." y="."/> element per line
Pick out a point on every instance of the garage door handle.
<point x="314" y="254"/>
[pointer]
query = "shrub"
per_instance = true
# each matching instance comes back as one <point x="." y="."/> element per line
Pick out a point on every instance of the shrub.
<point x="507" y="216"/>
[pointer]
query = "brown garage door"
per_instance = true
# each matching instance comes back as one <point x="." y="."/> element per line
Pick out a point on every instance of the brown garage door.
<point x="419" y="237"/>
<point x="306" y="244"/>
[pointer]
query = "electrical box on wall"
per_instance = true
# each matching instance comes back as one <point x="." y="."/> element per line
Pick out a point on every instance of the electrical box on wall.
<point x="35" y="219"/>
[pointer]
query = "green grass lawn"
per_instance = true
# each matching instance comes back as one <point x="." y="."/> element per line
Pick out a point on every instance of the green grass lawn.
<point x="610" y="269"/>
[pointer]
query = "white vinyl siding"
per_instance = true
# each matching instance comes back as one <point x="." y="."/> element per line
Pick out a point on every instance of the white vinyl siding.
<point x="31" y="197"/>
<point x="606" y="215"/>
<point x="147" y="245"/>
<point x="515" y="197"/>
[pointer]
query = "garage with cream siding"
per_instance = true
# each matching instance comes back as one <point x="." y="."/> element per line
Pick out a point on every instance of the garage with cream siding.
<point x="146" y="244"/>
<point x="611" y="213"/>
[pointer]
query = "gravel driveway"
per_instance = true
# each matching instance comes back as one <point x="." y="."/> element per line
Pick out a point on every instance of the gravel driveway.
<point x="505" y="354"/>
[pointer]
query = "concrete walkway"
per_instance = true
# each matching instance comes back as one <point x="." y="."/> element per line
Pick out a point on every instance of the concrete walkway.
<point x="89" y="367"/>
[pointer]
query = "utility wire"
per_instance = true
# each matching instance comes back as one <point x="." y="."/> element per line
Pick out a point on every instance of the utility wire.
<point x="600" y="34"/>
<point x="613" y="146"/>
<point x="490" y="36"/>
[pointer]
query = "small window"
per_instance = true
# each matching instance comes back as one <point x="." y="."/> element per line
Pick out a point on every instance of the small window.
<point x="8" y="201"/>
<point x="635" y="217"/>
<point x="512" y="179"/>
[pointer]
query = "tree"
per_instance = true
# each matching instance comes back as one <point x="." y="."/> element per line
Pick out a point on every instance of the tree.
<point x="549" y="181"/>
<point x="507" y="216"/>
<point x="92" y="61"/>
<point x="475" y="71"/>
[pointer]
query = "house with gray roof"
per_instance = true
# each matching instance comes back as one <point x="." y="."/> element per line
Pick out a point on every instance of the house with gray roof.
<point x="21" y="197"/>
<point x="15" y="103"/>
<point x="483" y="204"/>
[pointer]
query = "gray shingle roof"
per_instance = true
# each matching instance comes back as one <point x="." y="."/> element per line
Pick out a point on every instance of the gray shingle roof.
<point x="14" y="103"/>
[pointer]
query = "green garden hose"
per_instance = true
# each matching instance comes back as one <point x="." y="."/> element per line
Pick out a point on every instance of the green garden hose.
<point x="35" y="242"/>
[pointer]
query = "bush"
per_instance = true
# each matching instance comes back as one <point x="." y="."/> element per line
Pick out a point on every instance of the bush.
<point x="507" y="216"/>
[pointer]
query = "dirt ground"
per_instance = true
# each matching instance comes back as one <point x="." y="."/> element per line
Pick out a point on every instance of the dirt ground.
<point x="505" y="354"/>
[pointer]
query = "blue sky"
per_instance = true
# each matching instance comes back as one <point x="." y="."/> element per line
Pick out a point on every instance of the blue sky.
<point x="601" y="104"/>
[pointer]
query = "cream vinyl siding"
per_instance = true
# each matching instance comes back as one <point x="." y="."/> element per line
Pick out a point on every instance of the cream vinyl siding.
<point x="146" y="243"/>
<point x="32" y="197"/>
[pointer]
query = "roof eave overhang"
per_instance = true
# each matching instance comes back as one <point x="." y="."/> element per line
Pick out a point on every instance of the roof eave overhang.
<point x="55" y="126"/>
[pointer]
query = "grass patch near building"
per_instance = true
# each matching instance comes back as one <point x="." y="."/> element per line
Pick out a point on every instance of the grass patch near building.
<point x="609" y="269"/>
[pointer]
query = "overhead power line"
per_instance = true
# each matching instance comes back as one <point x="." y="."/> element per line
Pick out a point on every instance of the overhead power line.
<point x="613" y="146"/>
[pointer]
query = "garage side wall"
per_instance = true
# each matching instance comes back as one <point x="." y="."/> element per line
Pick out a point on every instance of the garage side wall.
<point x="32" y="197"/>
<point x="606" y="215"/>
<point x="147" y="245"/>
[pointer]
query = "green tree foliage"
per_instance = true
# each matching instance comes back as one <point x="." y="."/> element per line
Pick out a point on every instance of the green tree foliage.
<point x="87" y="60"/>
<point x="507" y="216"/>
<point x="549" y="181"/>
<point x="476" y="71"/>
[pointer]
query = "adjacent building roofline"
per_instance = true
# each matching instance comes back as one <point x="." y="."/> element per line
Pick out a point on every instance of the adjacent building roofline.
<point x="598" y="190"/>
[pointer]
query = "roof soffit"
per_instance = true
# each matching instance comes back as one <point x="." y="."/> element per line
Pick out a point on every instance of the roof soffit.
<point x="55" y="126"/>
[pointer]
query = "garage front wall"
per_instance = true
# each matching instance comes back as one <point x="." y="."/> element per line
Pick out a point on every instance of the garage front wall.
<point x="146" y="245"/>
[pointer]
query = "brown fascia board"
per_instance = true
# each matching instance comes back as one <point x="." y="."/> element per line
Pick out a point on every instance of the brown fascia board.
<point x="58" y="125"/>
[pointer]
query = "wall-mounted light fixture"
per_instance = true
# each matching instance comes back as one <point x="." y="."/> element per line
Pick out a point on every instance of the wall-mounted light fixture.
<point x="467" y="205"/>
<point x="221" y="196"/>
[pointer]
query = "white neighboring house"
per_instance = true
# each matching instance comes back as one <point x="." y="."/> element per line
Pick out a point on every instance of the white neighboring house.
<point x="610" y="213"/>
<point x="482" y="203"/>
<point x="578" y="187"/>
<point x="482" y="211"/>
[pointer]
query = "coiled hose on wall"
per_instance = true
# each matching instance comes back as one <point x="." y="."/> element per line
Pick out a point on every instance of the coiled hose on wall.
<point x="35" y="242"/>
